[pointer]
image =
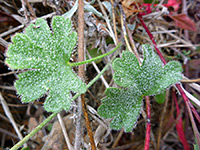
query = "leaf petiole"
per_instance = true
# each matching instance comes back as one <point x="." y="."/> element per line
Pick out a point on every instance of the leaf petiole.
<point x="93" y="59"/>
<point x="33" y="132"/>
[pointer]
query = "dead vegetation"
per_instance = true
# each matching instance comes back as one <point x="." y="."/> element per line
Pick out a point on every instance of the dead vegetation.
<point x="103" y="29"/>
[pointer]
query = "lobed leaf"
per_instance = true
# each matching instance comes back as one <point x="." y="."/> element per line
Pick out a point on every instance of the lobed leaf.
<point x="148" y="79"/>
<point x="45" y="54"/>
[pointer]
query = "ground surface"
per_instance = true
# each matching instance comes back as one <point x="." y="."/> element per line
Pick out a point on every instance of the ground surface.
<point x="175" y="43"/>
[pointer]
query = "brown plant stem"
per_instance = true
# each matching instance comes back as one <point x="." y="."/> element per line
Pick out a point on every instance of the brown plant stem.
<point x="30" y="8"/>
<point x="89" y="131"/>
<point x="81" y="72"/>
<point x="133" y="44"/>
<point x="118" y="138"/>
<point x="114" y="21"/>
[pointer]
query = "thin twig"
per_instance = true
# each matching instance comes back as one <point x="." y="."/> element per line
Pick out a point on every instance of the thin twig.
<point x="193" y="85"/>
<point x="30" y="8"/>
<point x="90" y="134"/>
<point x="25" y="11"/>
<point x="118" y="138"/>
<point x="7" y="87"/>
<point x="35" y="1"/>
<point x="162" y="119"/>
<point x="11" y="30"/>
<point x="9" y="115"/>
<point x="184" y="11"/>
<point x="114" y="21"/>
<point x="4" y="42"/>
<point x="180" y="39"/>
<point x="108" y="22"/>
<point x="9" y="73"/>
<point x="64" y="132"/>
<point x="98" y="71"/>
<point x="191" y="80"/>
<point x="133" y="45"/>
<point x="125" y="34"/>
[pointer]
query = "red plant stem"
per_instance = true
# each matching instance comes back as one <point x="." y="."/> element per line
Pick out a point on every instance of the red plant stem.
<point x="148" y="127"/>
<point x="188" y="105"/>
<point x="163" y="60"/>
<point x="187" y="102"/>
<point x="152" y="39"/>
<point x="179" y="124"/>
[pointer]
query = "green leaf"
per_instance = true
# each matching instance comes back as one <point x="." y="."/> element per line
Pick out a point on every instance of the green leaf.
<point x="71" y="12"/>
<point x="123" y="104"/>
<point x="90" y="8"/>
<point x="137" y="81"/>
<point x="25" y="148"/>
<point x="95" y="52"/>
<point x="160" y="98"/>
<point x="45" y="54"/>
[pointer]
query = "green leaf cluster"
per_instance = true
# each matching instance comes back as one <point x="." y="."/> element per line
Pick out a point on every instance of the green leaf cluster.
<point x="124" y="104"/>
<point x="45" y="54"/>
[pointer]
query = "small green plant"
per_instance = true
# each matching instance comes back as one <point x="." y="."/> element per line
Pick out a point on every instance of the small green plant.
<point x="124" y="104"/>
<point x="45" y="56"/>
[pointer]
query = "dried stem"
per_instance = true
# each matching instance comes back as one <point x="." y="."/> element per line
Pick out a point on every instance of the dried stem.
<point x="10" y="117"/>
<point x="162" y="119"/>
<point x="124" y="34"/>
<point x="30" y="8"/>
<point x="123" y="27"/>
<point x="90" y="134"/>
<point x="133" y="45"/>
<point x="108" y="22"/>
<point x="81" y="72"/>
<point x="118" y="138"/>
<point x="64" y="131"/>
<point x="114" y="21"/>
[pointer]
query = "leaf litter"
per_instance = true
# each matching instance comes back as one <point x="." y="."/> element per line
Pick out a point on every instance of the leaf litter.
<point x="164" y="32"/>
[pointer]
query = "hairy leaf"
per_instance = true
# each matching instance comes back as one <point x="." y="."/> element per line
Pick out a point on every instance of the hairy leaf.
<point x="45" y="54"/>
<point x="149" y="79"/>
